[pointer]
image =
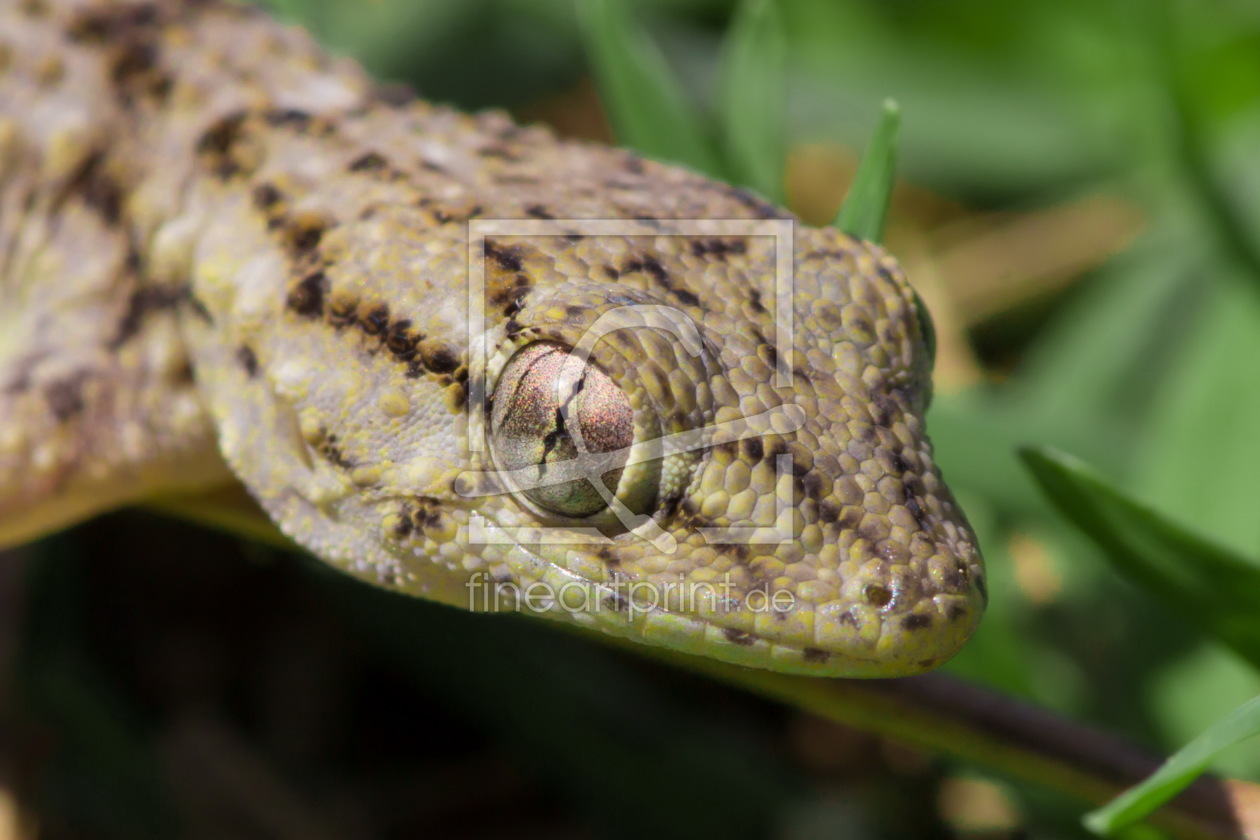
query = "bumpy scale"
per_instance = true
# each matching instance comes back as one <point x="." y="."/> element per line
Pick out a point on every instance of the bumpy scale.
<point x="224" y="253"/>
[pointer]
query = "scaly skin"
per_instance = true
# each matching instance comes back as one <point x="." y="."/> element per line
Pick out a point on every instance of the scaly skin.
<point x="215" y="238"/>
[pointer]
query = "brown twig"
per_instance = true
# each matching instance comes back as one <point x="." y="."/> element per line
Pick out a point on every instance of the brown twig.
<point x="951" y="717"/>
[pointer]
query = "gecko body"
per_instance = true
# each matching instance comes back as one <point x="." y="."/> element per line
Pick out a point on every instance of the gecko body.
<point x="454" y="356"/>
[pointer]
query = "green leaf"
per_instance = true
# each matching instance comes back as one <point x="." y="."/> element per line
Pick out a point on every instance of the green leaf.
<point x="1215" y="192"/>
<point x="865" y="209"/>
<point x="646" y="105"/>
<point x="1208" y="477"/>
<point x="751" y="98"/>
<point x="1178" y="771"/>
<point x="1197" y="580"/>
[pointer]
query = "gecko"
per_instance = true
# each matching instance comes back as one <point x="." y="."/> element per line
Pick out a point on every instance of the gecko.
<point x="458" y="357"/>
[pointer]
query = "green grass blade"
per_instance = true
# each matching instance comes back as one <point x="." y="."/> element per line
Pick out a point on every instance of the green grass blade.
<point x="865" y="208"/>
<point x="751" y="98"/>
<point x="1178" y="771"/>
<point x="1197" y="580"/>
<point x="646" y="105"/>
<point x="1217" y="195"/>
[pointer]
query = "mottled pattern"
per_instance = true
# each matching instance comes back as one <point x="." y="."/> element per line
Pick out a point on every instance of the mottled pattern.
<point x="211" y="232"/>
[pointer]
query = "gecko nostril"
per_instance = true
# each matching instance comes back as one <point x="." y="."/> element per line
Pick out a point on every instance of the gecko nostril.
<point x="876" y="595"/>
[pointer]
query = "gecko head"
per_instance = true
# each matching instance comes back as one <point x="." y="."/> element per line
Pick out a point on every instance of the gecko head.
<point x="700" y="454"/>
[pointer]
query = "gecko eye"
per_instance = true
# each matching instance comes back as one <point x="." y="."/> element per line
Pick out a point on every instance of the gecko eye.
<point x="566" y="418"/>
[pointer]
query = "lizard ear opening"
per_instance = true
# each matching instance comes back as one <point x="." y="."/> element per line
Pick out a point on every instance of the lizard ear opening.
<point x="564" y="429"/>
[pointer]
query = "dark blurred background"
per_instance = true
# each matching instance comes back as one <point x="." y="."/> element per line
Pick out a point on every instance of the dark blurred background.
<point x="1070" y="172"/>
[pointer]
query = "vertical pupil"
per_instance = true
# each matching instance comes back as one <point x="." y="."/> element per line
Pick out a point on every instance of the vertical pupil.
<point x="555" y="413"/>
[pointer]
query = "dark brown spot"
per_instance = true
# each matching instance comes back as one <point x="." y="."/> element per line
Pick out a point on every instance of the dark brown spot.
<point x="375" y="320"/>
<point x="917" y="621"/>
<point x="669" y="502"/>
<point x="217" y="140"/>
<point x="812" y="485"/>
<point x="685" y="297"/>
<point x="653" y="267"/>
<point x="427" y="512"/>
<point x="143" y="301"/>
<point x="101" y="24"/>
<point x="304" y="234"/>
<point x="266" y="196"/>
<point x="248" y="360"/>
<point x="97" y="189"/>
<point x="835" y="254"/>
<point x="509" y="259"/>
<point x="648" y="264"/>
<point x="982" y="588"/>
<point x="134" y="70"/>
<point x="916" y="510"/>
<point x="883" y="409"/>
<point x="717" y="248"/>
<point x="65" y="396"/>
<point x="754" y="300"/>
<point x="538" y="212"/>
<point x="754" y="448"/>
<point x="331" y="451"/>
<point x="955" y="612"/>
<point x="291" y="117"/>
<point x="439" y="358"/>
<point x="401" y="340"/>
<point x="403" y="526"/>
<point x="815" y="656"/>
<point x="769" y="354"/>
<point x="307" y="297"/>
<point x="500" y="152"/>
<point x="183" y="375"/>
<point x="617" y="602"/>
<point x="369" y="162"/>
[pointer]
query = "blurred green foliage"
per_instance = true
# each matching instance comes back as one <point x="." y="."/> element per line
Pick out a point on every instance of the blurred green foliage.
<point x="1147" y="366"/>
